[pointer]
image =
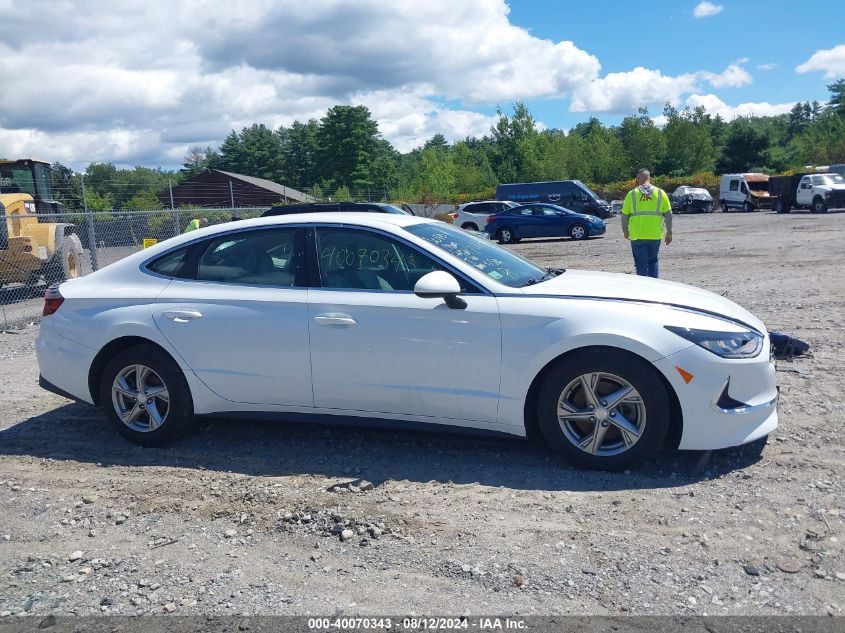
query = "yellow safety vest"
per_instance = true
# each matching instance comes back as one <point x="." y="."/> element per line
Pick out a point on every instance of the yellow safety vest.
<point x="646" y="216"/>
<point x="193" y="225"/>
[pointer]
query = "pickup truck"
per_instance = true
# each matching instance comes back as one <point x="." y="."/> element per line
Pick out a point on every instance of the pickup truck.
<point x="817" y="192"/>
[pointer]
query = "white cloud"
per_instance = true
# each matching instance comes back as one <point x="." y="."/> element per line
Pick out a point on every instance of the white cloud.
<point x="187" y="73"/>
<point x="705" y="9"/>
<point x="769" y="66"/>
<point x="830" y="61"/>
<point x="714" y="105"/>
<point x="624" y="92"/>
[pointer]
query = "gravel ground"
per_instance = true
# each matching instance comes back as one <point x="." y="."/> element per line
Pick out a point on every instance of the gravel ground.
<point x="261" y="518"/>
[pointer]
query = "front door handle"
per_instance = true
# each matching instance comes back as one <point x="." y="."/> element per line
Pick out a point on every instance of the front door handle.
<point x="336" y="320"/>
<point x="182" y="316"/>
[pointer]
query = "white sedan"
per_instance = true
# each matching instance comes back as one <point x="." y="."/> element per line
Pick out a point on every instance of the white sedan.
<point x="405" y="321"/>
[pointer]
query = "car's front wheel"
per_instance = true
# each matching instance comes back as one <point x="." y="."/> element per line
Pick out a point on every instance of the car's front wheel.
<point x="145" y="395"/>
<point x="819" y="205"/>
<point x="603" y="409"/>
<point x="578" y="232"/>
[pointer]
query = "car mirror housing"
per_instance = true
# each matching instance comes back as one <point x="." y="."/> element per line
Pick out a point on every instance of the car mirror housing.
<point x="440" y="285"/>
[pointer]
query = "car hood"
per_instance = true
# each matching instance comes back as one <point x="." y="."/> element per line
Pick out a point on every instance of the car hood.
<point x="620" y="287"/>
<point x="832" y="187"/>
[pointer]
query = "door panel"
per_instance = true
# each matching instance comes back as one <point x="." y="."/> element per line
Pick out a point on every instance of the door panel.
<point x="398" y="353"/>
<point x="248" y="344"/>
<point x="376" y="346"/>
<point x="238" y="316"/>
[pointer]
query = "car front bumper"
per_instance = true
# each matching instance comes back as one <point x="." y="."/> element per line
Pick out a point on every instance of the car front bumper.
<point x="594" y="231"/>
<point x="726" y="402"/>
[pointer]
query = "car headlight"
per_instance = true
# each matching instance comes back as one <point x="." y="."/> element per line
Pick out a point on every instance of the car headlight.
<point x="725" y="344"/>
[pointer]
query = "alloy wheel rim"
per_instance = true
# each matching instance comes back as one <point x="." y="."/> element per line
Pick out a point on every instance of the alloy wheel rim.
<point x="601" y="414"/>
<point x="140" y="398"/>
<point x="578" y="232"/>
<point x="506" y="236"/>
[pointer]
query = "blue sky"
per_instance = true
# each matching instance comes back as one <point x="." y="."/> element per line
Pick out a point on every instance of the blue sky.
<point x="141" y="87"/>
<point x="781" y="32"/>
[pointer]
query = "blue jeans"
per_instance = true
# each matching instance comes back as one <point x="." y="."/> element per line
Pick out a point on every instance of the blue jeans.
<point x="645" y="257"/>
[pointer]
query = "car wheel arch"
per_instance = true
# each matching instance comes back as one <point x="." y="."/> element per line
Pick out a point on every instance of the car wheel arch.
<point x="98" y="365"/>
<point x="532" y="429"/>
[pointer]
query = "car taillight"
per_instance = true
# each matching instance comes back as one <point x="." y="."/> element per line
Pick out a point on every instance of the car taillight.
<point x="52" y="300"/>
<point x="454" y="216"/>
<point x="490" y="218"/>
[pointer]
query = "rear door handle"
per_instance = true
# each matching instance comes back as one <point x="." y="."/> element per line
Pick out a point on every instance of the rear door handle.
<point x="182" y="316"/>
<point x="336" y="320"/>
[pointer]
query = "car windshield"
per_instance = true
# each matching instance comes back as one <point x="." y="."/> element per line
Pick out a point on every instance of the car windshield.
<point x="394" y="209"/>
<point x="498" y="263"/>
<point x="828" y="179"/>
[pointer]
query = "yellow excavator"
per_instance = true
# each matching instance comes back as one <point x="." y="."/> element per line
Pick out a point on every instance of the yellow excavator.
<point x="32" y="247"/>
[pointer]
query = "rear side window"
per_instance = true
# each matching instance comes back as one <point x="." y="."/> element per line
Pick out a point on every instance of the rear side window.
<point x="170" y="265"/>
<point x="478" y="208"/>
<point x="734" y="185"/>
<point x="261" y="258"/>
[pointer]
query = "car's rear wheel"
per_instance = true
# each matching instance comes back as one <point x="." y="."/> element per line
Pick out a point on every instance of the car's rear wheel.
<point x="819" y="205"/>
<point x="603" y="409"/>
<point x="578" y="232"/>
<point x="145" y="395"/>
<point x="469" y="226"/>
<point x="505" y="236"/>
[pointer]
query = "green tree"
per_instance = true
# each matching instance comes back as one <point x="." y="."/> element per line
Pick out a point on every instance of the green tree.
<point x="689" y="142"/>
<point x="837" y="97"/>
<point x="346" y="142"/>
<point x="300" y="150"/>
<point x="642" y="142"/>
<point x="744" y="149"/>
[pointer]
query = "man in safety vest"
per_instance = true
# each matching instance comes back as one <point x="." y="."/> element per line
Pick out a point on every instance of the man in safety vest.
<point x="196" y="223"/>
<point x="645" y="212"/>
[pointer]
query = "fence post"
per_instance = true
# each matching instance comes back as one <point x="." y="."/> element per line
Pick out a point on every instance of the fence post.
<point x="232" y="196"/>
<point x="176" y="222"/>
<point x="92" y="238"/>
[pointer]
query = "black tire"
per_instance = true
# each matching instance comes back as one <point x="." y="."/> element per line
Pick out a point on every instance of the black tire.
<point x="505" y="235"/>
<point x="179" y="417"/>
<point x="723" y="204"/>
<point x="780" y="206"/>
<point x="67" y="263"/>
<point x="469" y="226"/>
<point x="638" y="373"/>
<point x="748" y="207"/>
<point x="578" y="232"/>
<point x="819" y="205"/>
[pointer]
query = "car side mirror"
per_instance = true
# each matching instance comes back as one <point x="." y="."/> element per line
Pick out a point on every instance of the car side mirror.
<point x="439" y="284"/>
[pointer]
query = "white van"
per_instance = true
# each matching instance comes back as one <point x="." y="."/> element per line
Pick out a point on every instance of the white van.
<point x="747" y="192"/>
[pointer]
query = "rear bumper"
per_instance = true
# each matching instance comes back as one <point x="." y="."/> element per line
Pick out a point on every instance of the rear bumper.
<point x="63" y="364"/>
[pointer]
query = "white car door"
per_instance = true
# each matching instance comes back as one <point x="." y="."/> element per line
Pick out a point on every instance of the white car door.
<point x="377" y="347"/>
<point x="804" y="195"/>
<point x="240" y="321"/>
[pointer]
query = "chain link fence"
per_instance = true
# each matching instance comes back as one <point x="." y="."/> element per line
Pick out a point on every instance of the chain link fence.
<point x="38" y="250"/>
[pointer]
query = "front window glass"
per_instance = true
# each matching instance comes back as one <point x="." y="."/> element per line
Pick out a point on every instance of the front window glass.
<point x="262" y="258"/>
<point x="16" y="179"/>
<point x="364" y="260"/>
<point x="494" y="261"/>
